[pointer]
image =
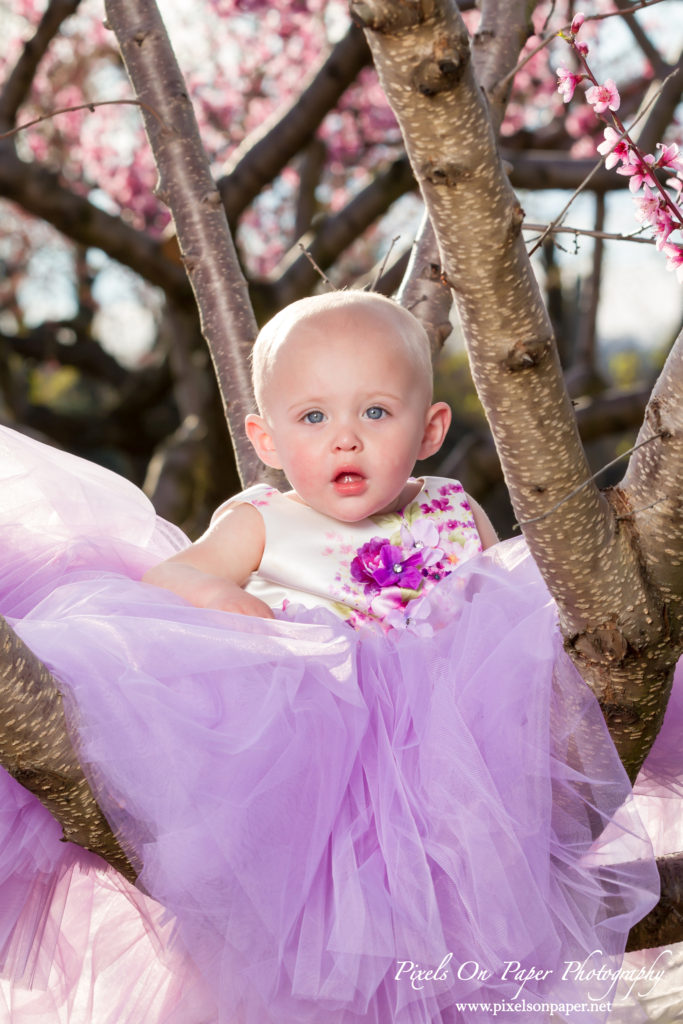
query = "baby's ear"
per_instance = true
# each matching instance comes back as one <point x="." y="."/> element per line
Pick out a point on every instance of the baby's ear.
<point x="437" y="422"/>
<point x="261" y="438"/>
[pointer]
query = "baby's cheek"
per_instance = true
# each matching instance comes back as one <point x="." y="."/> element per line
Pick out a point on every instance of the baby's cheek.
<point x="305" y="463"/>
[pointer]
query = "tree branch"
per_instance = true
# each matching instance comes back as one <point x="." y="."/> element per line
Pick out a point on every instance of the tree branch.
<point x="583" y="363"/>
<point x="42" y="759"/>
<point x="538" y="170"/>
<point x="19" y="81"/>
<point x="311" y="166"/>
<point x="663" y="925"/>
<point x="655" y="473"/>
<point x="41" y="193"/>
<point x="476" y="464"/>
<point x="424" y="290"/>
<point x="502" y="32"/>
<point x="663" y="110"/>
<point x="186" y="186"/>
<point x="649" y="51"/>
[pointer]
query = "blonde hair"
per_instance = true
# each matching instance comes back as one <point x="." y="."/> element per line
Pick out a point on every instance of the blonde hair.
<point x="408" y="330"/>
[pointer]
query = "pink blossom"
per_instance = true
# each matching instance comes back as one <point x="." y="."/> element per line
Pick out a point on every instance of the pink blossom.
<point x="669" y="156"/>
<point x="577" y="22"/>
<point x="647" y="207"/>
<point x="629" y="166"/>
<point x="613" y="148"/>
<point x="674" y="259"/>
<point x="581" y="48"/>
<point x="568" y="82"/>
<point x="580" y="123"/>
<point x="602" y="97"/>
<point x="651" y="209"/>
<point x="641" y="175"/>
<point x="664" y="226"/>
<point x="582" y="149"/>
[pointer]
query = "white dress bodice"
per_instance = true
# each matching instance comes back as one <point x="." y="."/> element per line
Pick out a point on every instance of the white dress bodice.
<point x="373" y="569"/>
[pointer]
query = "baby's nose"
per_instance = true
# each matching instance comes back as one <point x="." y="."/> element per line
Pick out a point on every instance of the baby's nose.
<point x="347" y="440"/>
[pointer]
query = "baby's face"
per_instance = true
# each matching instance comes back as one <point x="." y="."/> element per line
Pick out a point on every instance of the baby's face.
<point x="346" y="405"/>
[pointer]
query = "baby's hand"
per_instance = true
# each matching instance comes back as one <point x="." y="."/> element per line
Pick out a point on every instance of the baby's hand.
<point x="206" y="591"/>
<point x="210" y="572"/>
<point x="227" y="596"/>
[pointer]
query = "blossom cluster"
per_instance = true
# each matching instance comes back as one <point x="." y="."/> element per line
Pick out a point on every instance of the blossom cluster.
<point x="656" y="207"/>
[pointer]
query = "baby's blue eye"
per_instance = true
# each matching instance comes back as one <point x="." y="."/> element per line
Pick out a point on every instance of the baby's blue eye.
<point x="315" y="416"/>
<point x="375" y="412"/>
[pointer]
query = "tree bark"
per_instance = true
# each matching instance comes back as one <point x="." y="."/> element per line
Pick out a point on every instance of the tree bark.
<point x="502" y="32"/>
<point x="36" y="750"/>
<point x="651" y="490"/>
<point x="424" y="290"/>
<point x="662" y="925"/>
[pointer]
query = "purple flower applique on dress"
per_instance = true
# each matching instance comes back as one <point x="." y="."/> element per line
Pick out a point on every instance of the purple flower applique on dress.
<point x="380" y="564"/>
<point x="393" y="574"/>
<point x="412" y="617"/>
<point x="423" y="535"/>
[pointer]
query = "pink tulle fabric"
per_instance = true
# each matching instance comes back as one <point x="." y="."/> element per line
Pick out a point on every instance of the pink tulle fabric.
<point x="311" y="808"/>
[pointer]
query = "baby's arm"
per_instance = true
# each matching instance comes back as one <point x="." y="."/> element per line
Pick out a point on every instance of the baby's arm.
<point x="487" y="534"/>
<point x="212" y="571"/>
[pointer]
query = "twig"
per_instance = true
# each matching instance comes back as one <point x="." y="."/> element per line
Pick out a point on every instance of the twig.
<point x="565" y="28"/>
<point x="643" y="508"/>
<point x="636" y="236"/>
<point x="557" y="222"/>
<point x="549" y="15"/>
<point x="83" y="106"/>
<point x="381" y="270"/>
<point x="577" y="191"/>
<point x="608" y="465"/>
<point x="315" y="266"/>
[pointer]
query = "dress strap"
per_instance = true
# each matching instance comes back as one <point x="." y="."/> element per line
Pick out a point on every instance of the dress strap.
<point x="256" y="495"/>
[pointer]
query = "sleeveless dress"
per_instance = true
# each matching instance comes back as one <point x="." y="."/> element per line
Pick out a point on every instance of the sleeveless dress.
<point x="397" y="802"/>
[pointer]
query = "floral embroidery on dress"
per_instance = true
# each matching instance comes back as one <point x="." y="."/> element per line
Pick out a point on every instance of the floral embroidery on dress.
<point x="265" y="500"/>
<point x="380" y="564"/>
<point x="394" y="572"/>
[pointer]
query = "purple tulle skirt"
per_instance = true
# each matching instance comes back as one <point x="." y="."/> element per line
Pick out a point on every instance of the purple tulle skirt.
<point x="330" y="825"/>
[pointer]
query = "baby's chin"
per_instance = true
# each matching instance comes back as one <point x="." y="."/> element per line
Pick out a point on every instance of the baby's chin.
<point x="350" y="498"/>
<point x="356" y="511"/>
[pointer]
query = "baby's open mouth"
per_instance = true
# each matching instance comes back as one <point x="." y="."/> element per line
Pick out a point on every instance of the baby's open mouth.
<point x="349" y="483"/>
